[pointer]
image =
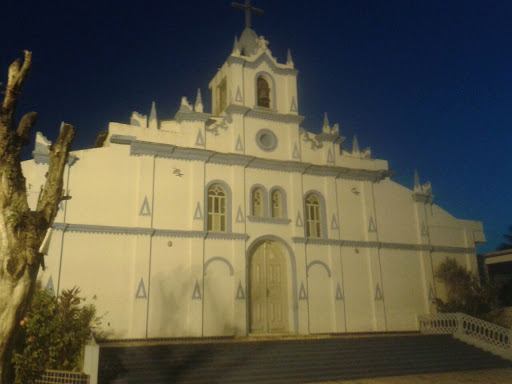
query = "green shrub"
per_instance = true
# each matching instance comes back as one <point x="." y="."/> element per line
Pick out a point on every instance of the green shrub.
<point x="465" y="293"/>
<point x="53" y="334"/>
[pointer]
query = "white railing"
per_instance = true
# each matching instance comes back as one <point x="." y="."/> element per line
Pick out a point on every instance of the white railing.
<point x="480" y="333"/>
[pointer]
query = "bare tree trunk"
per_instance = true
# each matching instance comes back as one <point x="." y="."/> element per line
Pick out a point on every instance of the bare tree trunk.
<point x="22" y="230"/>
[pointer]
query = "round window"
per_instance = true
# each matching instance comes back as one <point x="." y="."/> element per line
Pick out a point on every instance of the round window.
<point x="266" y="140"/>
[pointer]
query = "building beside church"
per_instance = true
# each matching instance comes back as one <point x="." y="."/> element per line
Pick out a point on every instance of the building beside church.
<point x="240" y="221"/>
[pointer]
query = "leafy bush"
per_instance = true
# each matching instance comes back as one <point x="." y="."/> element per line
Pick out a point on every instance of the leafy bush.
<point x="53" y="334"/>
<point x="465" y="293"/>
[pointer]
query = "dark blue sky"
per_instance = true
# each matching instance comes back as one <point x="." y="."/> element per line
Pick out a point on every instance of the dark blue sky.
<point x="427" y="84"/>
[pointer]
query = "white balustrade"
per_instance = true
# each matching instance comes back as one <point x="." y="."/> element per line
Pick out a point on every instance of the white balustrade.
<point x="480" y="333"/>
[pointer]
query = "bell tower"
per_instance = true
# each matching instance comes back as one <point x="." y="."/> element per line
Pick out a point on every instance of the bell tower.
<point x="252" y="78"/>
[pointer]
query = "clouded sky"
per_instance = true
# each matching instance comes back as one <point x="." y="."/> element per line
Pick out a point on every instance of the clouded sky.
<point x="427" y="84"/>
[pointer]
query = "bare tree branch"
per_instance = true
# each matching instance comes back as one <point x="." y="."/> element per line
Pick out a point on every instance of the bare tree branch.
<point x="15" y="79"/>
<point x="52" y="191"/>
<point x="25" y="126"/>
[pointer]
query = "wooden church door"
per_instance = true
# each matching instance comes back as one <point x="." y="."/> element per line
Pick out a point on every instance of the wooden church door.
<point x="269" y="311"/>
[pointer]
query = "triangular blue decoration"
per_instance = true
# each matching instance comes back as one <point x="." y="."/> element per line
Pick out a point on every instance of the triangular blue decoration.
<point x="378" y="294"/>
<point x="296" y="153"/>
<point x="302" y="293"/>
<point x="339" y="294"/>
<point x="197" y="292"/>
<point x="293" y="107"/>
<point x="239" y="215"/>
<point x="371" y="226"/>
<point x="200" y="139"/>
<point x="424" y="231"/>
<point x="49" y="286"/>
<point x="334" y="222"/>
<point x="198" y="214"/>
<point x="330" y="157"/>
<point x="141" y="290"/>
<point x="431" y="294"/>
<point x="239" y="146"/>
<point x="240" y="295"/>
<point x="238" y="95"/>
<point x="145" y="210"/>
<point x="299" y="222"/>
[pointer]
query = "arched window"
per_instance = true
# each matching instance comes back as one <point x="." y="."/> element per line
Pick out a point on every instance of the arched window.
<point x="216" y="208"/>
<point x="257" y="202"/>
<point x="263" y="92"/>
<point x="277" y="204"/>
<point x="221" y="96"/>
<point x="313" y="219"/>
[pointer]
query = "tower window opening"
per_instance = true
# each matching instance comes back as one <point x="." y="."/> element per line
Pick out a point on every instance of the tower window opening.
<point x="263" y="93"/>
<point x="221" y="96"/>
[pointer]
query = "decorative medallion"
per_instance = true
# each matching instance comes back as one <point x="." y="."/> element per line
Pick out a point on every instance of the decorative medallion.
<point x="266" y="140"/>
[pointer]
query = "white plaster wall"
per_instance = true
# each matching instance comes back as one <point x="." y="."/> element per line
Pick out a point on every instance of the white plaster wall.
<point x="396" y="220"/>
<point x="404" y="295"/>
<point x="285" y="133"/>
<point x="172" y="285"/>
<point x="219" y="298"/>
<point x="101" y="187"/>
<point x="321" y="290"/>
<point x="174" y="204"/>
<point x="94" y="263"/>
<point x="350" y="205"/>
<point x="359" y="294"/>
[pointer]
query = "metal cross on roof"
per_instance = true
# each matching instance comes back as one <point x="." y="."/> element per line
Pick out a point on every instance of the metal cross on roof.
<point x="248" y="9"/>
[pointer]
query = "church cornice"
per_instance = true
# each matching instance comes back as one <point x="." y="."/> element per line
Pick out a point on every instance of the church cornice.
<point x="268" y="220"/>
<point x="141" y="148"/>
<point x="117" y="230"/>
<point x="122" y="139"/>
<point x="44" y="158"/>
<point x="420" y="197"/>
<point x="237" y="109"/>
<point x="330" y="137"/>
<point x="266" y="114"/>
<point x="381" y="245"/>
<point x="191" y="116"/>
<point x="255" y="62"/>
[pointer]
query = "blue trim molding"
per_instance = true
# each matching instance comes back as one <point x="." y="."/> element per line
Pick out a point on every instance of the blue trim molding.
<point x="222" y="259"/>
<point x="321" y="263"/>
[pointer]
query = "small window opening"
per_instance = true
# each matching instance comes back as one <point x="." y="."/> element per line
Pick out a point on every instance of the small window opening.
<point x="277" y="210"/>
<point x="257" y="202"/>
<point x="263" y="93"/>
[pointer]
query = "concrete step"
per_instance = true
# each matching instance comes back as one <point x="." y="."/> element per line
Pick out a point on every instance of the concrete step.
<point x="290" y="361"/>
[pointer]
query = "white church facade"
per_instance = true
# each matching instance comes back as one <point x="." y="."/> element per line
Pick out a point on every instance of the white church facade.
<point x="241" y="222"/>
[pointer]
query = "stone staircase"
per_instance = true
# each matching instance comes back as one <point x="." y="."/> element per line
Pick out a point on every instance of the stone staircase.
<point x="290" y="361"/>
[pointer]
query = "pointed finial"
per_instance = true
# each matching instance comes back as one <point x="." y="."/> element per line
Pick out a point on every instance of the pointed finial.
<point x="417" y="185"/>
<point x="326" y="127"/>
<point x="198" y="106"/>
<point x="355" y="145"/>
<point x="185" y="106"/>
<point x="289" y="59"/>
<point x="153" y="122"/>
<point x="236" y="47"/>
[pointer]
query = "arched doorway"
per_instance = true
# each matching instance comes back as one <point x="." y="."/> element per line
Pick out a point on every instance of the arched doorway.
<point x="268" y="293"/>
